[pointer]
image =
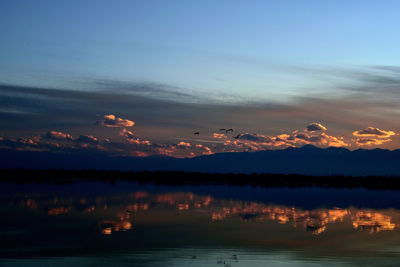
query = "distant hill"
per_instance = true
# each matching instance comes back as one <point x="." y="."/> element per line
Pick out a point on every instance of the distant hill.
<point x="307" y="160"/>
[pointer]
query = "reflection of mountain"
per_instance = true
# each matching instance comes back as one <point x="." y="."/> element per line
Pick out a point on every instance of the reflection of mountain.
<point x="305" y="160"/>
<point x="118" y="213"/>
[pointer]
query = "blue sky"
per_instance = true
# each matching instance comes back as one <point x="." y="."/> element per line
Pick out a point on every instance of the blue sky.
<point x="283" y="64"/>
<point x="220" y="46"/>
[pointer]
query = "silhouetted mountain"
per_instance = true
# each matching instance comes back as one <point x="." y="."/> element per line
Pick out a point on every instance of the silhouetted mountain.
<point x="307" y="160"/>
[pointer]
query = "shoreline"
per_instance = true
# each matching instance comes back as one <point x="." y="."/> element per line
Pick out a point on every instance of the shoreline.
<point x="177" y="178"/>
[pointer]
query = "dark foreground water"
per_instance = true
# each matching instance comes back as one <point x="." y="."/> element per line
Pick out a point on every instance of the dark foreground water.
<point x="102" y="224"/>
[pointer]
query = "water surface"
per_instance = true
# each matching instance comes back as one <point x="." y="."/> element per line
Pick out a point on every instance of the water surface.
<point x="124" y="223"/>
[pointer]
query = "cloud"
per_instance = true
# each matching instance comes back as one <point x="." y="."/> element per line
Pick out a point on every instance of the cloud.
<point x="185" y="144"/>
<point x="220" y="135"/>
<point x="28" y="141"/>
<point x="371" y="141"/>
<point x="254" y="137"/>
<point x="373" y="132"/>
<point x="58" y="135"/>
<point x="127" y="134"/>
<point x="206" y="149"/>
<point x="129" y="144"/>
<point x="314" y="126"/>
<point x="132" y="139"/>
<point x="332" y="141"/>
<point x="303" y="138"/>
<point x="88" y="139"/>
<point x="372" y="136"/>
<point x="156" y="90"/>
<point x="35" y="143"/>
<point x="111" y="121"/>
<point x="256" y="142"/>
<point x="161" y="118"/>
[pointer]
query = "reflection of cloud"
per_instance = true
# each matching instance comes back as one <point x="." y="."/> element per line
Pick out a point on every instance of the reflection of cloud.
<point x="372" y="222"/>
<point x="120" y="218"/>
<point x="58" y="210"/>
<point x="314" y="126"/>
<point x="373" y="132"/>
<point x="313" y="220"/>
<point x="112" y="121"/>
<point x="107" y="227"/>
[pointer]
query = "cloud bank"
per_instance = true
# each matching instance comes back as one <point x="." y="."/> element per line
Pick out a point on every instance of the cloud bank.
<point x="126" y="143"/>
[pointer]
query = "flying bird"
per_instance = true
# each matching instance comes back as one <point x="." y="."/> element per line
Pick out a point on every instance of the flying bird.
<point x="237" y="136"/>
<point x="226" y="130"/>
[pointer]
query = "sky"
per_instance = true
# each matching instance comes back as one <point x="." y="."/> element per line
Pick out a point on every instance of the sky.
<point x="142" y="77"/>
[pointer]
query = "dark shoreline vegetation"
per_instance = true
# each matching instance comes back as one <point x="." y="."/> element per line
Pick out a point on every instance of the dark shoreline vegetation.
<point x="171" y="178"/>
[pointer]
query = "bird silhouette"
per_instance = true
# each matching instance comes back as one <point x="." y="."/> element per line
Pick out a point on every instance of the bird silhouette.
<point x="237" y="136"/>
<point x="226" y="130"/>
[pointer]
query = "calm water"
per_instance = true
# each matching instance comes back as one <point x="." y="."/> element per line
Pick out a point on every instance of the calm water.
<point x="101" y="224"/>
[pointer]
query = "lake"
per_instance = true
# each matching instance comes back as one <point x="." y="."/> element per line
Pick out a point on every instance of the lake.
<point x="126" y="223"/>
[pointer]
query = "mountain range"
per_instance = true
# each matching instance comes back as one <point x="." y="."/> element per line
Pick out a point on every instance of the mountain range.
<point x="306" y="160"/>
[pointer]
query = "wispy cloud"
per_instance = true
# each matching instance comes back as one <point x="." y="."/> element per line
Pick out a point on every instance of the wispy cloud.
<point x="358" y="97"/>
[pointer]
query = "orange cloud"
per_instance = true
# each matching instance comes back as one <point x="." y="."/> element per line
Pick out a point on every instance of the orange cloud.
<point x="206" y="150"/>
<point x="333" y="141"/>
<point x="58" y="135"/>
<point x="373" y="132"/>
<point x="111" y="121"/>
<point x="127" y="134"/>
<point x="371" y="141"/>
<point x="89" y="139"/>
<point x="220" y="135"/>
<point x="184" y="144"/>
<point x="256" y="142"/>
<point x="314" y="126"/>
<point x="132" y="139"/>
<point x="372" y="136"/>
<point x="28" y="141"/>
<point x="313" y="134"/>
